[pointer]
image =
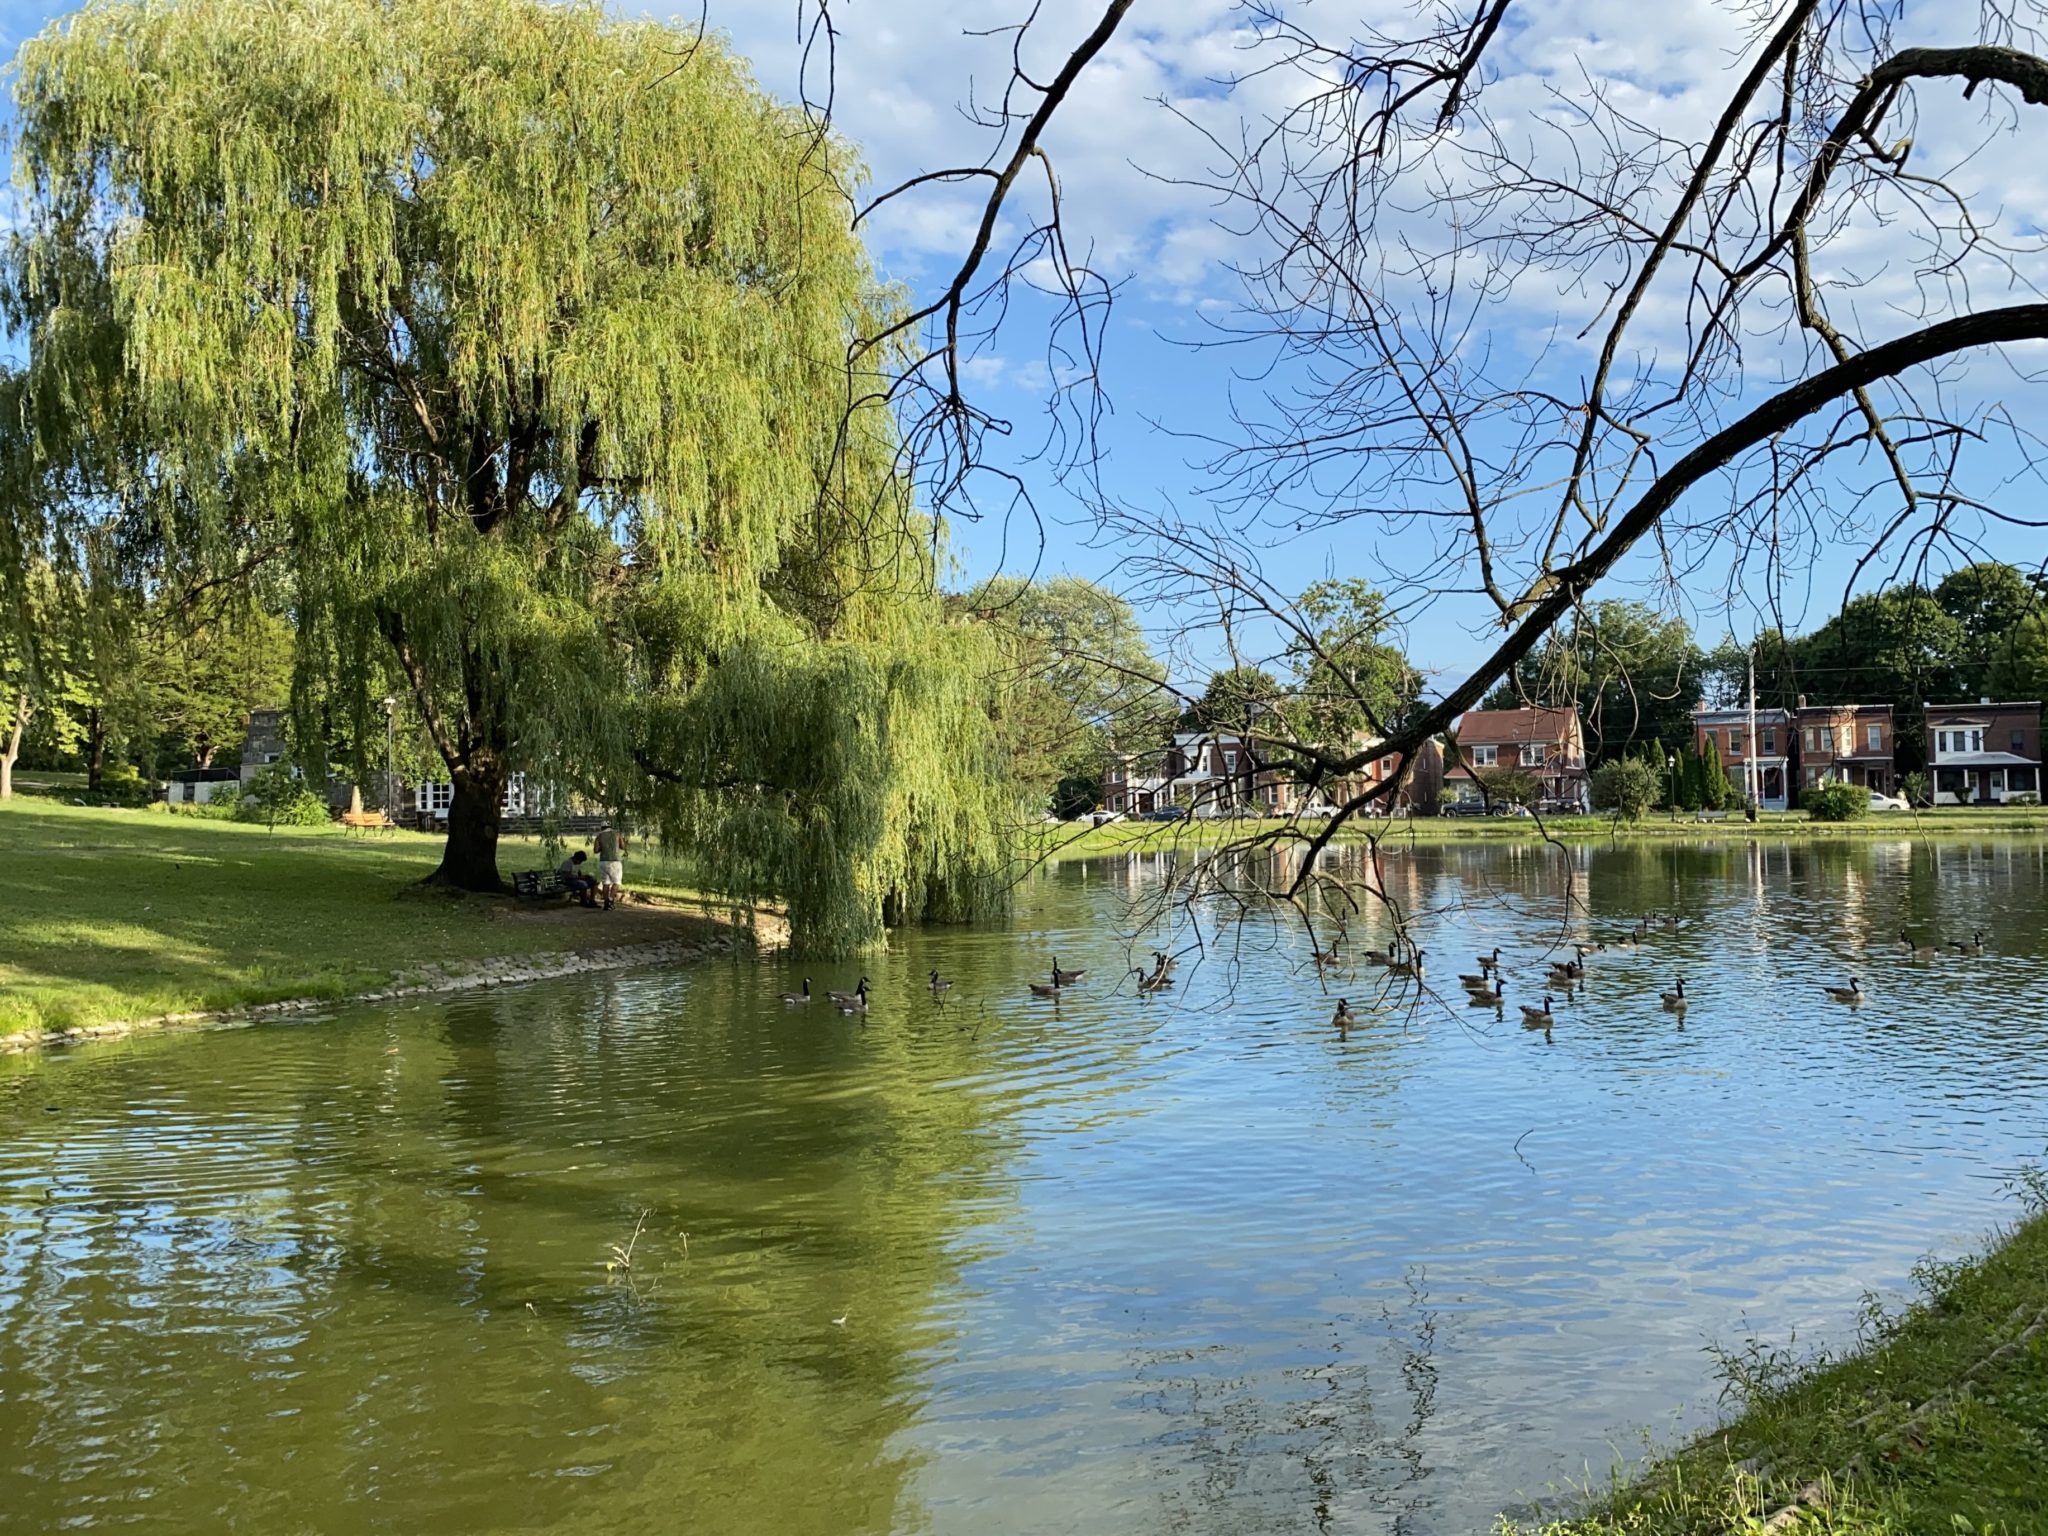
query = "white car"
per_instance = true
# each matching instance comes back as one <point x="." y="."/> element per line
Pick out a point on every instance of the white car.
<point x="1887" y="802"/>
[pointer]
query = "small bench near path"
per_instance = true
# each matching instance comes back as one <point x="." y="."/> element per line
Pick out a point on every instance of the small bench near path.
<point x="538" y="885"/>
<point x="367" y="821"/>
<point x="1710" y="815"/>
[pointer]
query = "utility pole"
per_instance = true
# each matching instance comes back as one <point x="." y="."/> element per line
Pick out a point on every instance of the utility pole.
<point x="1756" y="798"/>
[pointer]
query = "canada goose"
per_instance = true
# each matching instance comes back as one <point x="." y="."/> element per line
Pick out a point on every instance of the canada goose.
<point x="940" y="985"/>
<point x="1675" y="1000"/>
<point x="1974" y="947"/>
<point x="1064" y="978"/>
<point x="1046" y="989"/>
<point x="1151" y="983"/>
<point x="1408" y="967"/>
<point x="1540" y="1017"/>
<point x="858" y="996"/>
<point x="797" y="999"/>
<point x="1487" y="997"/>
<point x="1852" y="993"/>
<point x="1589" y="949"/>
<point x="1916" y="951"/>
<point x="1488" y="964"/>
<point x="1167" y="964"/>
<point x="1469" y="981"/>
<point x="1343" y="1018"/>
<point x="1379" y="957"/>
<point x="1324" y="956"/>
<point x="1567" y="970"/>
<point x="1670" y="921"/>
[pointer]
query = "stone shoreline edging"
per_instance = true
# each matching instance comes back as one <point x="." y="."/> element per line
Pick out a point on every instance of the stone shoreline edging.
<point x="429" y="981"/>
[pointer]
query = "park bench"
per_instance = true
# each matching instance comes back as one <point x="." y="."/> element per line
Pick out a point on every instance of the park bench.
<point x="366" y="821"/>
<point x="1710" y="816"/>
<point x="538" y="885"/>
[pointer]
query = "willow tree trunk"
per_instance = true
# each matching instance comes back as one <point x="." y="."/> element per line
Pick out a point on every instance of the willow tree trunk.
<point x="96" y="749"/>
<point x="14" y="735"/>
<point x="469" y="861"/>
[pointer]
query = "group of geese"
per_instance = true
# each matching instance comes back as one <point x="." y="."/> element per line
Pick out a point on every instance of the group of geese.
<point x="1158" y="979"/>
<point x="1487" y="987"/>
<point x="1970" y="948"/>
<point x="855" y="1001"/>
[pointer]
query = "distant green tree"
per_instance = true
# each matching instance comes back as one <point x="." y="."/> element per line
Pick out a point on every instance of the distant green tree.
<point x="1897" y="647"/>
<point x="1080" y="682"/>
<point x="1510" y="786"/>
<point x="1989" y="600"/>
<point x="1350" y="676"/>
<point x="1634" y="675"/>
<point x="1626" y="786"/>
<point x="2020" y="668"/>
<point x="1717" y="791"/>
<point x="1235" y="701"/>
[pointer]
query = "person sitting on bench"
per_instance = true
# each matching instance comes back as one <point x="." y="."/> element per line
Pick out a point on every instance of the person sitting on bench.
<point x="574" y="880"/>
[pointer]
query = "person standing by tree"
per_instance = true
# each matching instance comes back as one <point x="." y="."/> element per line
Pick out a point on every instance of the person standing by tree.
<point x="611" y="865"/>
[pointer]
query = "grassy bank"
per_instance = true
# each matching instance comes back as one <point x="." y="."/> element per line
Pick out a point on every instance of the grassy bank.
<point x="1068" y="841"/>
<point x="123" y="915"/>
<point x="1938" y="1423"/>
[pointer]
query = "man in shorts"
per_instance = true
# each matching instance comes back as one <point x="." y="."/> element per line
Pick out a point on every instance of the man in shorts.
<point x="611" y="864"/>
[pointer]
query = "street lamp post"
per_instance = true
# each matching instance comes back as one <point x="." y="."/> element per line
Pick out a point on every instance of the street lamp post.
<point x="390" y="757"/>
<point x="1671" y="767"/>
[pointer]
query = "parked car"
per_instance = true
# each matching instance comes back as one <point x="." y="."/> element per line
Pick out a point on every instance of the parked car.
<point x="1887" y="802"/>
<point x="1099" y="818"/>
<point x="1166" y="813"/>
<point x="1463" y="808"/>
<point x="1316" y="812"/>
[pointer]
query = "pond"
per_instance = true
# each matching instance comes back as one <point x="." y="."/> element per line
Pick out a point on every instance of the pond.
<point x="1194" y="1262"/>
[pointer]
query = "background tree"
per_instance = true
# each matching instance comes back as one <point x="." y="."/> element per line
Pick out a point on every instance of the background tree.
<point x="1898" y="647"/>
<point x="2020" y="668"/>
<point x="1632" y="673"/>
<point x="542" y="421"/>
<point x="201" y="675"/>
<point x="1627" y="786"/>
<point x="1989" y="601"/>
<point x="1236" y="702"/>
<point x="1081" y="682"/>
<point x="1348" y="675"/>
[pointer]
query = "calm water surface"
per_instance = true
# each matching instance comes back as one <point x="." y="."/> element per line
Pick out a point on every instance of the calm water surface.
<point x="1188" y="1264"/>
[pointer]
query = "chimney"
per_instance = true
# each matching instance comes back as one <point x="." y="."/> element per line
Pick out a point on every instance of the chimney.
<point x="1800" y="702"/>
<point x="1985" y="699"/>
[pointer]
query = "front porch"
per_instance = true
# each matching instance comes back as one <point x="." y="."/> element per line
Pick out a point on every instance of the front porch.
<point x="1981" y="782"/>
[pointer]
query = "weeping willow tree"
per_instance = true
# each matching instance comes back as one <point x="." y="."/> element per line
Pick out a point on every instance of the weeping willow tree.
<point x="520" y="334"/>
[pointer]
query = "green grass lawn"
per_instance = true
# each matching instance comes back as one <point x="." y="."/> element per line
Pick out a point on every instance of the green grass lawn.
<point x="128" y="915"/>
<point x="1938" y="1424"/>
<point x="1072" y="841"/>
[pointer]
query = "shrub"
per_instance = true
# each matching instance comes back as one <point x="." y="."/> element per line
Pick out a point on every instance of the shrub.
<point x="1510" y="785"/>
<point x="1836" y="801"/>
<point x="220" y="808"/>
<point x="1628" y="787"/>
<point x="2023" y="797"/>
<point x="279" y="798"/>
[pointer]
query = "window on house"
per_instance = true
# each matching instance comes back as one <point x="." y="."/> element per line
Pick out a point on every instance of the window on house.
<point x="1873" y="735"/>
<point x="1827" y="738"/>
<point x="1532" y="754"/>
<point x="1770" y="740"/>
<point x="1811" y="744"/>
<point x="2019" y="743"/>
<point x="1976" y="741"/>
<point x="1229" y="760"/>
<point x="1485" y="757"/>
<point x="1735" y="743"/>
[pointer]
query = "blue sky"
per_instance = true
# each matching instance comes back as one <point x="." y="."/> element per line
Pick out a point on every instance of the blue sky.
<point x="906" y="70"/>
